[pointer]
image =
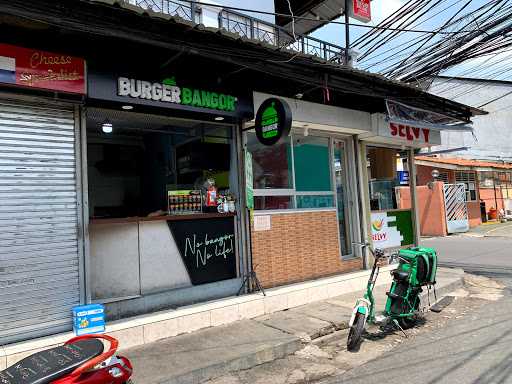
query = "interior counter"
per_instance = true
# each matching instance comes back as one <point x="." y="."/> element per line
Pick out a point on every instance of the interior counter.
<point x="136" y="219"/>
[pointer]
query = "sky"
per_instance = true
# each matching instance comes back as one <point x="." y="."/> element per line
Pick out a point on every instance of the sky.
<point x="381" y="9"/>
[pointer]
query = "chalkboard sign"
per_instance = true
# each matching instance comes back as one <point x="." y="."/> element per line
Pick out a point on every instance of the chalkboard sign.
<point x="207" y="248"/>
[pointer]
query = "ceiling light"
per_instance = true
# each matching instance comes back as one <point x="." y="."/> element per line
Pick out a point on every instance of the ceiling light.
<point x="127" y="107"/>
<point x="107" y="126"/>
<point x="219" y="118"/>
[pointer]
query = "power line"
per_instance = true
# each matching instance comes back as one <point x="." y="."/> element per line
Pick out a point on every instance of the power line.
<point x="326" y="21"/>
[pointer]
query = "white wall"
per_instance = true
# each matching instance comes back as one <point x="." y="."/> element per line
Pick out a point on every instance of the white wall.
<point x="493" y="132"/>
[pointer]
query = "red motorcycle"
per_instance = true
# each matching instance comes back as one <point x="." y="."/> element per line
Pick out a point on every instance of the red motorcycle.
<point x="81" y="360"/>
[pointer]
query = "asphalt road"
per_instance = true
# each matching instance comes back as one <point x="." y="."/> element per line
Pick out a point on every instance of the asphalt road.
<point x="489" y="256"/>
<point x="477" y="348"/>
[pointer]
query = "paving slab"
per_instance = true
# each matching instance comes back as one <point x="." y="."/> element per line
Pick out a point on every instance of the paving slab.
<point x="210" y="353"/>
<point x="298" y="324"/>
<point x="336" y="315"/>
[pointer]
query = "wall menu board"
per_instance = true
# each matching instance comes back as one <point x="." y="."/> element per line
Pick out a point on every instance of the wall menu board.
<point x="207" y="247"/>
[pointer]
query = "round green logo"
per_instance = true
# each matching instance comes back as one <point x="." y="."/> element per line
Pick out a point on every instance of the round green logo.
<point x="273" y="121"/>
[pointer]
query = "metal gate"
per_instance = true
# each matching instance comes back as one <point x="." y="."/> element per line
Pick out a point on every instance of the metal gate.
<point x="456" y="208"/>
<point x="39" y="257"/>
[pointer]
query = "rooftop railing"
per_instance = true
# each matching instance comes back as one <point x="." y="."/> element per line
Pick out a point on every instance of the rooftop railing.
<point x="187" y="10"/>
<point x="249" y="27"/>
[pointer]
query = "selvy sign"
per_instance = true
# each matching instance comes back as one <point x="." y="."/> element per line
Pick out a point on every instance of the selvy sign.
<point x="409" y="133"/>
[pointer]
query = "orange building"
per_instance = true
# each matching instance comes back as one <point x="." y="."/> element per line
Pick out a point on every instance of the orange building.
<point x="488" y="184"/>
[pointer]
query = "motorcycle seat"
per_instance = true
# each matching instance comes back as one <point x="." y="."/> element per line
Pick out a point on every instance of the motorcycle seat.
<point x="400" y="275"/>
<point x="52" y="364"/>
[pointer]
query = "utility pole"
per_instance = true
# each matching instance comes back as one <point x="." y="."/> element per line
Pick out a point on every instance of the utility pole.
<point x="347" y="34"/>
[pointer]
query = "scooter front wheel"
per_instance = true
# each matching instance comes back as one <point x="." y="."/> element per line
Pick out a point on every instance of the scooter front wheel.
<point x="355" y="332"/>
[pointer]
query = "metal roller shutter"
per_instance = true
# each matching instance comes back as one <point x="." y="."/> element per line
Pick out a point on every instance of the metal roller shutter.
<point x="39" y="257"/>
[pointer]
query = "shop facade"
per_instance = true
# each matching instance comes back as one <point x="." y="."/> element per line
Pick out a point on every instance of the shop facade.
<point x="389" y="170"/>
<point x="164" y="180"/>
<point x="41" y="244"/>
<point x="116" y="189"/>
<point x="307" y="206"/>
<point x="340" y="179"/>
<point x="126" y="183"/>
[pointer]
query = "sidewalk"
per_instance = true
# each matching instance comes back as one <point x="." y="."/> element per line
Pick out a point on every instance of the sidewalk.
<point x="491" y="229"/>
<point x="205" y="354"/>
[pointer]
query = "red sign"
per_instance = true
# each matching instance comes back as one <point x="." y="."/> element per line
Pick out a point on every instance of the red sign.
<point x="40" y="69"/>
<point x="409" y="133"/>
<point x="362" y="10"/>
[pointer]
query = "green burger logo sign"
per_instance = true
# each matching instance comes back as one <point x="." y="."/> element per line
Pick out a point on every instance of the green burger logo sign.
<point x="169" y="92"/>
<point x="273" y="121"/>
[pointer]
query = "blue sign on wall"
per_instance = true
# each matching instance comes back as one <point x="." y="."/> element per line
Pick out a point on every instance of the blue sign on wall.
<point x="403" y="177"/>
<point x="88" y="319"/>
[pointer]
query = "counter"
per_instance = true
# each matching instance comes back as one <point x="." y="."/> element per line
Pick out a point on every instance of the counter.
<point x="137" y="256"/>
<point x="136" y="219"/>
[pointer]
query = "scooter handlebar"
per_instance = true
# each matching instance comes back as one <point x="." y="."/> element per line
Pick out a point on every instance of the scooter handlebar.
<point x="377" y="252"/>
<point x="98" y="359"/>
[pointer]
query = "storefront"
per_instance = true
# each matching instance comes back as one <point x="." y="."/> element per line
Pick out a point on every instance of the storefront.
<point x="306" y="200"/>
<point x="163" y="175"/>
<point x="389" y="174"/>
<point x="41" y="258"/>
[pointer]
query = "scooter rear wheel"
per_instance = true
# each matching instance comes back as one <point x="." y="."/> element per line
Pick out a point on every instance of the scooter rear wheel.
<point x="410" y="321"/>
<point x="355" y="332"/>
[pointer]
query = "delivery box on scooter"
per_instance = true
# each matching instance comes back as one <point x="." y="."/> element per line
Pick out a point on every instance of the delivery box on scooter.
<point x="426" y="263"/>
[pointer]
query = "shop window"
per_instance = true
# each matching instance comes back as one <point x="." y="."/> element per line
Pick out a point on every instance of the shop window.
<point x="296" y="173"/>
<point x="311" y="160"/>
<point x="134" y="169"/>
<point x="315" y="201"/>
<point x="383" y="167"/>
<point x="273" y="202"/>
<point x="469" y="181"/>
<point x="272" y="166"/>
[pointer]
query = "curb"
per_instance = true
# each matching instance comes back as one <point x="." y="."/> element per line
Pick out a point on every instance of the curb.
<point x="240" y="363"/>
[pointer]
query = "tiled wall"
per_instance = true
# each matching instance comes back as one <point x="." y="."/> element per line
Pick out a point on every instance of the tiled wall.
<point x="299" y="246"/>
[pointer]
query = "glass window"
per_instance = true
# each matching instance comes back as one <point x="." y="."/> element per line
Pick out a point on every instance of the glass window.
<point x="383" y="167"/>
<point x="311" y="160"/>
<point x="296" y="173"/>
<point x="315" y="201"/>
<point x="485" y="179"/>
<point x="132" y="168"/>
<point x="469" y="181"/>
<point x="272" y="168"/>
<point x="273" y="202"/>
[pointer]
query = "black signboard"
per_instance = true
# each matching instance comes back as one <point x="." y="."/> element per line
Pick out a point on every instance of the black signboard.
<point x="273" y="121"/>
<point x="173" y="93"/>
<point x="207" y="247"/>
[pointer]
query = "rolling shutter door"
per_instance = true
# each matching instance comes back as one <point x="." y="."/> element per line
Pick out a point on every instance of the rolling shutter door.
<point x="39" y="256"/>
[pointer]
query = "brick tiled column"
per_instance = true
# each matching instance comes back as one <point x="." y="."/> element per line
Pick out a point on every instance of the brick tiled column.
<point x="299" y="246"/>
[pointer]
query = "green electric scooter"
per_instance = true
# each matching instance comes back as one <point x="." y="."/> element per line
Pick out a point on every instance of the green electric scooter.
<point x="417" y="267"/>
